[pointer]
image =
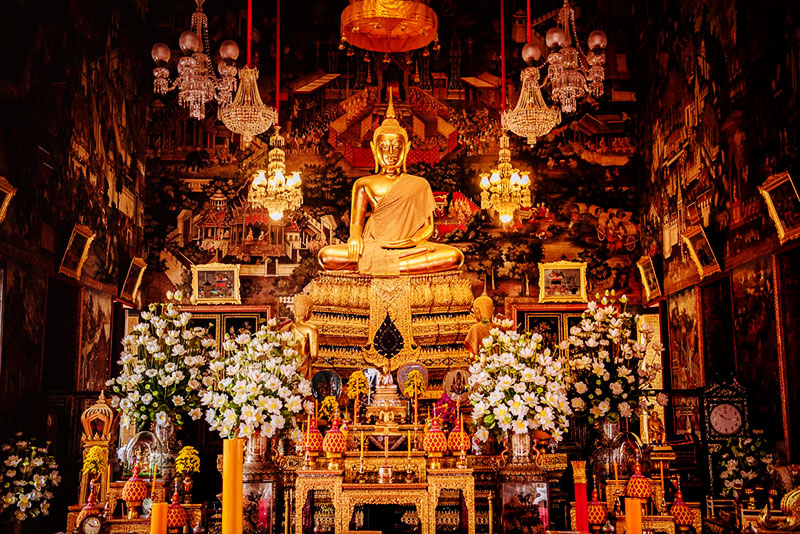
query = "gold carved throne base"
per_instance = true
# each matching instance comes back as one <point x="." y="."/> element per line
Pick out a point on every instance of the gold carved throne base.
<point x="432" y="312"/>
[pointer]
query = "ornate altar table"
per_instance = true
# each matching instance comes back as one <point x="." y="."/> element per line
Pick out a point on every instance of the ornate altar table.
<point x="416" y="494"/>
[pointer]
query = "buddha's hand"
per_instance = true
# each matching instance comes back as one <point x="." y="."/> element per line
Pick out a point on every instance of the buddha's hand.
<point x="355" y="246"/>
<point x="403" y="243"/>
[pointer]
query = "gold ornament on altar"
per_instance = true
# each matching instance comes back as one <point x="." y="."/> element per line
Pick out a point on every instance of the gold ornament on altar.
<point x="270" y="189"/>
<point x="505" y="189"/>
<point x="99" y="422"/>
<point x="531" y="118"/>
<point x="394" y="239"/>
<point x="483" y="311"/>
<point x="388" y="26"/>
<point x="247" y="115"/>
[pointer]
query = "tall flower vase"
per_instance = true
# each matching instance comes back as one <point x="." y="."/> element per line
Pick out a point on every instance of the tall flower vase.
<point x="16" y="527"/>
<point x="165" y="433"/>
<point x="603" y="454"/>
<point x="520" y="448"/>
<point x="232" y="460"/>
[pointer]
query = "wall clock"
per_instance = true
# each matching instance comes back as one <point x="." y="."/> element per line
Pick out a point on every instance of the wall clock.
<point x="725" y="417"/>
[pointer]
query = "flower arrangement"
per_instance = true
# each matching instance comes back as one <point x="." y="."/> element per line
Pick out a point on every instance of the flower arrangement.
<point x="95" y="462"/>
<point x="328" y="408"/>
<point x="743" y="460"/>
<point x="357" y="385"/>
<point x="162" y="363"/>
<point x="254" y="385"/>
<point x="415" y="384"/>
<point x="609" y="378"/>
<point x="28" y="476"/>
<point x="187" y="462"/>
<point x="445" y="410"/>
<point x="518" y="385"/>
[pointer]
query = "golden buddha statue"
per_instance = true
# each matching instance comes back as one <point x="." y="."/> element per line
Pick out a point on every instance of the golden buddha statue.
<point x="482" y="310"/>
<point x="307" y="333"/>
<point x="394" y="239"/>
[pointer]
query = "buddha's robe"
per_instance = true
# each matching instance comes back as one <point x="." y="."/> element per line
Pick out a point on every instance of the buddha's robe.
<point x="402" y="211"/>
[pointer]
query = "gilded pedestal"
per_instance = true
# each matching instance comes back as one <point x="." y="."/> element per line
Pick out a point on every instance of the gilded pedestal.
<point x="433" y="313"/>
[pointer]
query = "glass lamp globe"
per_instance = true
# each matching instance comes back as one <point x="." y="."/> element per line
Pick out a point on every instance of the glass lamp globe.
<point x="189" y="42"/>
<point x="531" y="53"/>
<point x="597" y="40"/>
<point x="160" y="52"/>
<point x="229" y="49"/>
<point x="555" y="38"/>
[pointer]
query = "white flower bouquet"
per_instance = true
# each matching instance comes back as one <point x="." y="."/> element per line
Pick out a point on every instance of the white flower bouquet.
<point x="741" y="461"/>
<point x="518" y="385"/>
<point x="28" y="476"/>
<point x="254" y="385"/>
<point x="608" y="374"/>
<point x="162" y="362"/>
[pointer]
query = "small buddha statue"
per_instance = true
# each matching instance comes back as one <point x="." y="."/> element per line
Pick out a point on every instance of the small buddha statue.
<point x="655" y="429"/>
<point x="394" y="239"/>
<point x="386" y="377"/>
<point x="307" y="333"/>
<point x="483" y="311"/>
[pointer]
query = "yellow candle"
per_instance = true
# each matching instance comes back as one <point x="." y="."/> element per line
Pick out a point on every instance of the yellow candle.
<point x="158" y="518"/>
<point x="231" y="486"/>
<point x="633" y="516"/>
<point x="661" y="468"/>
<point x="409" y="444"/>
<point x="362" y="444"/>
<point x="153" y="486"/>
<point x="616" y="472"/>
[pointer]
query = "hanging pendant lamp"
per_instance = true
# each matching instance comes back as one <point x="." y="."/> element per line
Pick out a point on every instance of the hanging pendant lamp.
<point x="247" y="115"/>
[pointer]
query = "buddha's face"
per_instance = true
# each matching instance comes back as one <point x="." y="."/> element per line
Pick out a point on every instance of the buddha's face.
<point x="390" y="151"/>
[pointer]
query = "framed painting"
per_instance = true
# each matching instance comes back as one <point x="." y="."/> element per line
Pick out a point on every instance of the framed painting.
<point x="215" y="283"/>
<point x="548" y="325"/>
<point x="652" y="289"/>
<point x="133" y="279"/>
<point x="783" y="204"/>
<point x="700" y="250"/>
<point x="234" y="324"/>
<point x="571" y="320"/>
<point x="562" y="281"/>
<point x="686" y="360"/>
<point x="7" y="192"/>
<point x="132" y="318"/>
<point x="95" y="340"/>
<point x="77" y="251"/>
<point x="209" y="321"/>
<point x="525" y="507"/>
<point x="686" y="413"/>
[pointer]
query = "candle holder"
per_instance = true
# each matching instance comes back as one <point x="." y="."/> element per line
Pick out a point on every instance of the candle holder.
<point x="409" y="471"/>
<point x="462" y="460"/>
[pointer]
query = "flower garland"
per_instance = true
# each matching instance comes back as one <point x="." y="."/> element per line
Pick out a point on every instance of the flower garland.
<point x="162" y="362"/>
<point x="445" y="410"/>
<point x="517" y="385"/>
<point x="96" y="461"/>
<point x="28" y="477"/>
<point x="255" y="384"/>
<point x="187" y="462"/>
<point x="743" y="460"/>
<point x="608" y="377"/>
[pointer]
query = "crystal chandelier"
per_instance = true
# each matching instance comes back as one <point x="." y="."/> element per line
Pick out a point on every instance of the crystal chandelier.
<point x="271" y="190"/>
<point x="573" y="73"/>
<point x="505" y="189"/>
<point x="531" y="118"/>
<point x="247" y="115"/>
<point x="196" y="82"/>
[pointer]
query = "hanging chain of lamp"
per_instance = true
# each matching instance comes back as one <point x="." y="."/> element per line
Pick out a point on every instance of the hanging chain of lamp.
<point x="270" y="189"/>
<point x="504" y="189"/>
<point x="247" y="115"/>
<point x="531" y="118"/>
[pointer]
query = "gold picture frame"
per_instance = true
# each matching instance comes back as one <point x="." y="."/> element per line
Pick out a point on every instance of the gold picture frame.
<point x="215" y="283"/>
<point x="701" y="251"/>
<point x="562" y="281"/>
<point x="133" y="279"/>
<point x="783" y="203"/>
<point x="77" y="251"/>
<point x="7" y="192"/>
<point x="652" y="289"/>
